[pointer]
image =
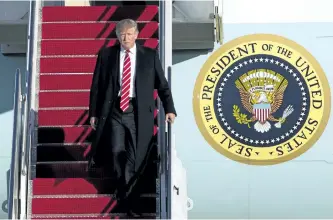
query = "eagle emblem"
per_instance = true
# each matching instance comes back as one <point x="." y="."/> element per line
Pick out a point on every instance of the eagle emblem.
<point x="261" y="93"/>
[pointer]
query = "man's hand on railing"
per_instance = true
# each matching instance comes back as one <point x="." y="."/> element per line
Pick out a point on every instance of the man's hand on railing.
<point x="170" y="117"/>
<point x="93" y="122"/>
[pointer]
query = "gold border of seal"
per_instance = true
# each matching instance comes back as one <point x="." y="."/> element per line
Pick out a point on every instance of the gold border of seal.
<point x="261" y="37"/>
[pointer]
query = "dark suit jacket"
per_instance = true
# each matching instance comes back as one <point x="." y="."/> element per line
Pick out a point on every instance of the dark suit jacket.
<point x="105" y="87"/>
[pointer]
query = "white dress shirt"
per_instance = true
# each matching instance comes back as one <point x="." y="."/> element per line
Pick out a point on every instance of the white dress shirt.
<point x="132" y="55"/>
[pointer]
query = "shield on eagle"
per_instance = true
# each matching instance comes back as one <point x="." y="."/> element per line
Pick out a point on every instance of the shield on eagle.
<point x="262" y="111"/>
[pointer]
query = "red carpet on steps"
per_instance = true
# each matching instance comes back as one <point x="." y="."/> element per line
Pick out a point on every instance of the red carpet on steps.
<point x="63" y="188"/>
<point x="52" y="186"/>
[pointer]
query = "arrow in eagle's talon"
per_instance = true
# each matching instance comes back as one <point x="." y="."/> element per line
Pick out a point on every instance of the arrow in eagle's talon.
<point x="286" y="113"/>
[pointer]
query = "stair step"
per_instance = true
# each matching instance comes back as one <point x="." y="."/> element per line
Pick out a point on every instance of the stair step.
<point x="65" y="216"/>
<point x="127" y="3"/>
<point x="78" y="169"/>
<point x="84" y="196"/>
<point x="84" y="47"/>
<point x="92" y="216"/>
<point x="59" y="118"/>
<point x="67" y="99"/>
<point x="62" y="135"/>
<point x="69" y="182"/>
<point x="65" y="81"/>
<point x="67" y="65"/>
<point x="53" y="118"/>
<point x="64" y="99"/>
<point x="58" y="186"/>
<point x="88" y="205"/>
<point x="64" y="152"/>
<point x="100" y="13"/>
<point x="94" y="30"/>
<point x="72" y="205"/>
<point x="68" y="170"/>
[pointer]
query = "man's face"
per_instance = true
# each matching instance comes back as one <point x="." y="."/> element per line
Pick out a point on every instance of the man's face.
<point x="127" y="37"/>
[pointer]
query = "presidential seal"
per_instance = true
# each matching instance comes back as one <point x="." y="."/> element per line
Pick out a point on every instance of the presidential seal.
<point x="261" y="99"/>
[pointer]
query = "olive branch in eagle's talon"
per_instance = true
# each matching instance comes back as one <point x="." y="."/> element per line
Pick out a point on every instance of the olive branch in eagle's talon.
<point x="241" y="118"/>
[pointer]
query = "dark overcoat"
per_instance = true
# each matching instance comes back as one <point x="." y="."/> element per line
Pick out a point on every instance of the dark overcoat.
<point x="104" y="91"/>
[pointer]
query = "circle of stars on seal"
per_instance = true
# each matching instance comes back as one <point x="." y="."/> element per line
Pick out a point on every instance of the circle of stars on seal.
<point x="239" y="67"/>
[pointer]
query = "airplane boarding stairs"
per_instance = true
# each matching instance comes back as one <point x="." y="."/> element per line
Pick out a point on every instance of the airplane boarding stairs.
<point x="55" y="181"/>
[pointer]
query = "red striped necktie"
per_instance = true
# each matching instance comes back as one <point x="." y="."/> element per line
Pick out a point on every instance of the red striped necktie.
<point x="126" y="83"/>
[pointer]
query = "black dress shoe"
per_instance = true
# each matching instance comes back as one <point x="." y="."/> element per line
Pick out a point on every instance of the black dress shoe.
<point x="118" y="195"/>
<point x="115" y="197"/>
<point x="132" y="214"/>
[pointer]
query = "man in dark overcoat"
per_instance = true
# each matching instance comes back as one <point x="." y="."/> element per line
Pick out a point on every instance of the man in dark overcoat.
<point x="122" y="105"/>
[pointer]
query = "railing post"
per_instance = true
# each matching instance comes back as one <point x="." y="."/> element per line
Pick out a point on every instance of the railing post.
<point x="15" y="167"/>
<point x="169" y="159"/>
<point x="162" y="209"/>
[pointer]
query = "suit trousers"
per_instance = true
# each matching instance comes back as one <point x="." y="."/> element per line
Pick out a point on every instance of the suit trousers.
<point x="123" y="144"/>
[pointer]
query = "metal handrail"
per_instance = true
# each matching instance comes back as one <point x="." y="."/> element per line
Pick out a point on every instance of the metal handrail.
<point x="15" y="167"/>
<point x="169" y="154"/>
<point x="26" y="144"/>
<point x="28" y="118"/>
